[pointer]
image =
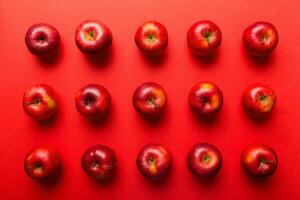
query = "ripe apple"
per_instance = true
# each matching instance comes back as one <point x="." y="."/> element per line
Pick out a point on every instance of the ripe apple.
<point x="260" y="38"/>
<point x="151" y="38"/>
<point x="204" y="37"/>
<point x="93" y="101"/>
<point x="150" y="99"/>
<point x="154" y="161"/>
<point x="204" y="160"/>
<point x="42" y="163"/>
<point x="42" y="39"/>
<point x="205" y="99"/>
<point x="259" y="160"/>
<point x="93" y="37"/>
<point x="99" y="162"/>
<point x="258" y="100"/>
<point x="39" y="101"/>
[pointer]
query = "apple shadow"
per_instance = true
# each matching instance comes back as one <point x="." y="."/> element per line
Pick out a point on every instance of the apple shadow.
<point x="47" y="123"/>
<point x="206" y="181"/>
<point x="258" y="182"/>
<point x="206" y="121"/>
<point x="101" y="60"/>
<point x="152" y="122"/>
<point x="257" y="120"/>
<point x="206" y="60"/>
<point x="51" y="182"/>
<point x="51" y="60"/>
<point x="157" y="60"/>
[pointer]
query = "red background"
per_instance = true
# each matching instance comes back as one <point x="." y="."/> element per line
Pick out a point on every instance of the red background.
<point x="122" y="71"/>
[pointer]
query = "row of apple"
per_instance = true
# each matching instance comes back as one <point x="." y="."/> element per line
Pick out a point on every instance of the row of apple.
<point x="154" y="161"/>
<point x="203" y="38"/>
<point x="93" y="101"/>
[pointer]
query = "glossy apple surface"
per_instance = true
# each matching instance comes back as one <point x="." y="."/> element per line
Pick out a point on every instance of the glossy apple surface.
<point x="39" y="101"/>
<point x="259" y="160"/>
<point x="204" y="37"/>
<point x="260" y="38"/>
<point x="99" y="162"/>
<point x="154" y="161"/>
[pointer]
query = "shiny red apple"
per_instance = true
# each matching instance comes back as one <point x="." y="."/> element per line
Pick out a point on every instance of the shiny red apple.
<point x="260" y="38"/>
<point x="205" y="99"/>
<point x="150" y="99"/>
<point x="42" y="39"/>
<point x="42" y="163"/>
<point x="39" y="101"/>
<point x="99" y="162"/>
<point x="258" y="100"/>
<point x="93" y="101"/>
<point x="151" y="38"/>
<point x="204" y="160"/>
<point x="154" y="161"/>
<point x="259" y="160"/>
<point x="93" y="37"/>
<point x="204" y="37"/>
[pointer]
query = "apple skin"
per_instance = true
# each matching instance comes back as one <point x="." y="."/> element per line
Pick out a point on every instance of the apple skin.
<point x="205" y="99"/>
<point x="40" y="102"/>
<point x="93" y="101"/>
<point x="42" y="163"/>
<point x="204" y="37"/>
<point x="154" y="161"/>
<point x="42" y="39"/>
<point x="150" y="99"/>
<point x="260" y="38"/>
<point x="258" y="100"/>
<point x="99" y="162"/>
<point x="93" y="37"/>
<point x="259" y="160"/>
<point x="151" y="38"/>
<point x="204" y="160"/>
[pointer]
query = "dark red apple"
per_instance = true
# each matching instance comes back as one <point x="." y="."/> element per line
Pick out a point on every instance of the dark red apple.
<point x="93" y="37"/>
<point x="258" y="100"/>
<point x="42" y="163"/>
<point x="150" y="99"/>
<point x="204" y="160"/>
<point x="260" y="38"/>
<point x="42" y="39"/>
<point x="204" y="37"/>
<point x="259" y="160"/>
<point x="93" y="101"/>
<point x="205" y="99"/>
<point x="154" y="161"/>
<point x="99" y="162"/>
<point x="39" y="101"/>
<point x="151" y="38"/>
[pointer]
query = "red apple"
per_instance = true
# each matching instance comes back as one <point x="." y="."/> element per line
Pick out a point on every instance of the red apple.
<point x="150" y="99"/>
<point x="204" y="37"/>
<point x="99" y="162"/>
<point x="151" y="38"/>
<point x="260" y="38"/>
<point x="259" y="160"/>
<point x="93" y="101"/>
<point x="204" y="160"/>
<point x="39" y="101"/>
<point x="205" y="99"/>
<point x="42" y="163"/>
<point x="93" y="37"/>
<point x="42" y="39"/>
<point x="154" y="161"/>
<point x="258" y="100"/>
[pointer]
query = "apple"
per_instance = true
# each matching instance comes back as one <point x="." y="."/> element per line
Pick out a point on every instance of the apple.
<point x="151" y="38"/>
<point x="93" y="101"/>
<point x="150" y="99"/>
<point x="260" y="38"/>
<point x="154" y="161"/>
<point x="205" y="99"/>
<point x="42" y="39"/>
<point x="93" y="37"/>
<point x="258" y="100"/>
<point x="39" y="101"/>
<point x="204" y="37"/>
<point x="259" y="160"/>
<point x="99" y="162"/>
<point x="42" y="163"/>
<point x="204" y="160"/>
